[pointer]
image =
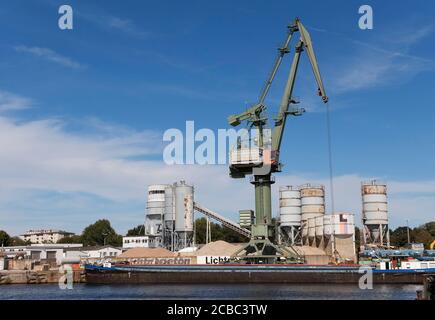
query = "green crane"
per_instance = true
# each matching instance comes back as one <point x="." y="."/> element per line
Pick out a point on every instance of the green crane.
<point x="260" y="247"/>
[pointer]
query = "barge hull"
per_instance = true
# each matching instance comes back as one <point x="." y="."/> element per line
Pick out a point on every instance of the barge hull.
<point x="182" y="277"/>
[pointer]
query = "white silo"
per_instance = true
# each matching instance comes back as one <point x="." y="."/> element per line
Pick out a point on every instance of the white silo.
<point x="169" y="218"/>
<point x="375" y="213"/>
<point x="312" y="206"/>
<point x="183" y="214"/>
<point x="290" y="213"/>
<point x="155" y="212"/>
<point x="312" y="201"/>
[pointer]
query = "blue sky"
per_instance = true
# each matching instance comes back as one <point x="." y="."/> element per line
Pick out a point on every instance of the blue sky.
<point x="82" y="112"/>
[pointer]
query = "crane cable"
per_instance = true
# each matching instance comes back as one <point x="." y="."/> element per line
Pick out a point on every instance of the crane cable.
<point x="331" y="172"/>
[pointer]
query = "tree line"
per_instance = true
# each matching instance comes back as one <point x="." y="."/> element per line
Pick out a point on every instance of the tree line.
<point x="102" y="233"/>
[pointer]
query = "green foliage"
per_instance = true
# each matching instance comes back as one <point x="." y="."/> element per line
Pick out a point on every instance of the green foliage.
<point x="357" y="239"/>
<point x="5" y="239"/>
<point x="399" y="237"/>
<point x="218" y="232"/>
<point x="430" y="227"/>
<point x="100" y="233"/>
<point x="16" y="241"/>
<point x="71" y="239"/>
<point x="136" y="231"/>
<point x="423" y="234"/>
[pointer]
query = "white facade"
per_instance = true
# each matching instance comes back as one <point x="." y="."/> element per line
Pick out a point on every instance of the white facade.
<point x="2" y="263"/>
<point x="38" y="252"/>
<point x="92" y="253"/>
<point x="135" y="242"/>
<point x="44" y="236"/>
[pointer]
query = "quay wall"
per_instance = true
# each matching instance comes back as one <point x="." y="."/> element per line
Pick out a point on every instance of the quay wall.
<point x="37" y="277"/>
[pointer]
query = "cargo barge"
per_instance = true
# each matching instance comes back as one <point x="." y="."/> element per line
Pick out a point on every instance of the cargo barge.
<point x="248" y="273"/>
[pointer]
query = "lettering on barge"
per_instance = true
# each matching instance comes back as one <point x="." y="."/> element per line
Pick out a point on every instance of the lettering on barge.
<point x="178" y="260"/>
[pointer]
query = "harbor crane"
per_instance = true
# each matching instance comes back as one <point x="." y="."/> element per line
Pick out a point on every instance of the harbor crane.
<point x="262" y="160"/>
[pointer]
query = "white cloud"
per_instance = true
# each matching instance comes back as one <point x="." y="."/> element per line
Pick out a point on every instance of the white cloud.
<point x="108" y="21"/>
<point x="50" y="55"/>
<point x="12" y="102"/>
<point x="52" y="177"/>
<point x="386" y="60"/>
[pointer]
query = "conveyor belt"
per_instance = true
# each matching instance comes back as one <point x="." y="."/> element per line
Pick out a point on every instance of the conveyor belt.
<point x="226" y="222"/>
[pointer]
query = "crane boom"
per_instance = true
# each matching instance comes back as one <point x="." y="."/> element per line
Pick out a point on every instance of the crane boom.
<point x="292" y="28"/>
<point x="304" y="43"/>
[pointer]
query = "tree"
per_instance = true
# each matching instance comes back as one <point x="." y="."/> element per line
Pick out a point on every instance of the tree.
<point x="430" y="227"/>
<point x="399" y="237"/>
<point x="136" y="231"/>
<point x="70" y="239"/>
<point x="16" y="241"/>
<point x="357" y="239"/>
<point x="218" y="232"/>
<point x="421" y="235"/>
<point x="5" y="239"/>
<point x="100" y="233"/>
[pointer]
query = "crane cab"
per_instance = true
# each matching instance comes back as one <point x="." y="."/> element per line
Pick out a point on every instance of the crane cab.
<point x="244" y="160"/>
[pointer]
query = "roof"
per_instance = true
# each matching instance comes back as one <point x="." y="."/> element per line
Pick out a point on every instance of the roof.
<point x="91" y="248"/>
<point x="146" y="253"/>
<point x="47" y="231"/>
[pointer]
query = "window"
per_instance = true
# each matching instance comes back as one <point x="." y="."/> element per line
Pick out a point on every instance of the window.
<point x="156" y="192"/>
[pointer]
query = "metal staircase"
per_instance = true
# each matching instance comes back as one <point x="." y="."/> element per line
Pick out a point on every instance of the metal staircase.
<point x="224" y="221"/>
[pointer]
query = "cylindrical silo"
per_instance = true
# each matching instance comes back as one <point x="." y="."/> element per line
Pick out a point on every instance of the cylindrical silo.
<point x="312" y="201"/>
<point x="374" y="197"/>
<point x="290" y="213"/>
<point x="290" y="206"/>
<point x="169" y="218"/>
<point x="375" y="212"/>
<point x="169" y="204"/>
<point x="183" y="207"/>
<point x="155" y="209"/>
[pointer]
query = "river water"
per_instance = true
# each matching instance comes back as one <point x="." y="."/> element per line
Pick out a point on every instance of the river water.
<point x="207" y="291"/>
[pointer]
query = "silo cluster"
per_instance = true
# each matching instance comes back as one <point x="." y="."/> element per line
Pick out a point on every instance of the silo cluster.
<point x="169" y="217"/>
<point x="375" y="213"/>
<point x="302" y="220"/>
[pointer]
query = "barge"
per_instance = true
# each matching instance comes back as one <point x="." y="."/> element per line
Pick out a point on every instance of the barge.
<point x="249" y="273"/>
